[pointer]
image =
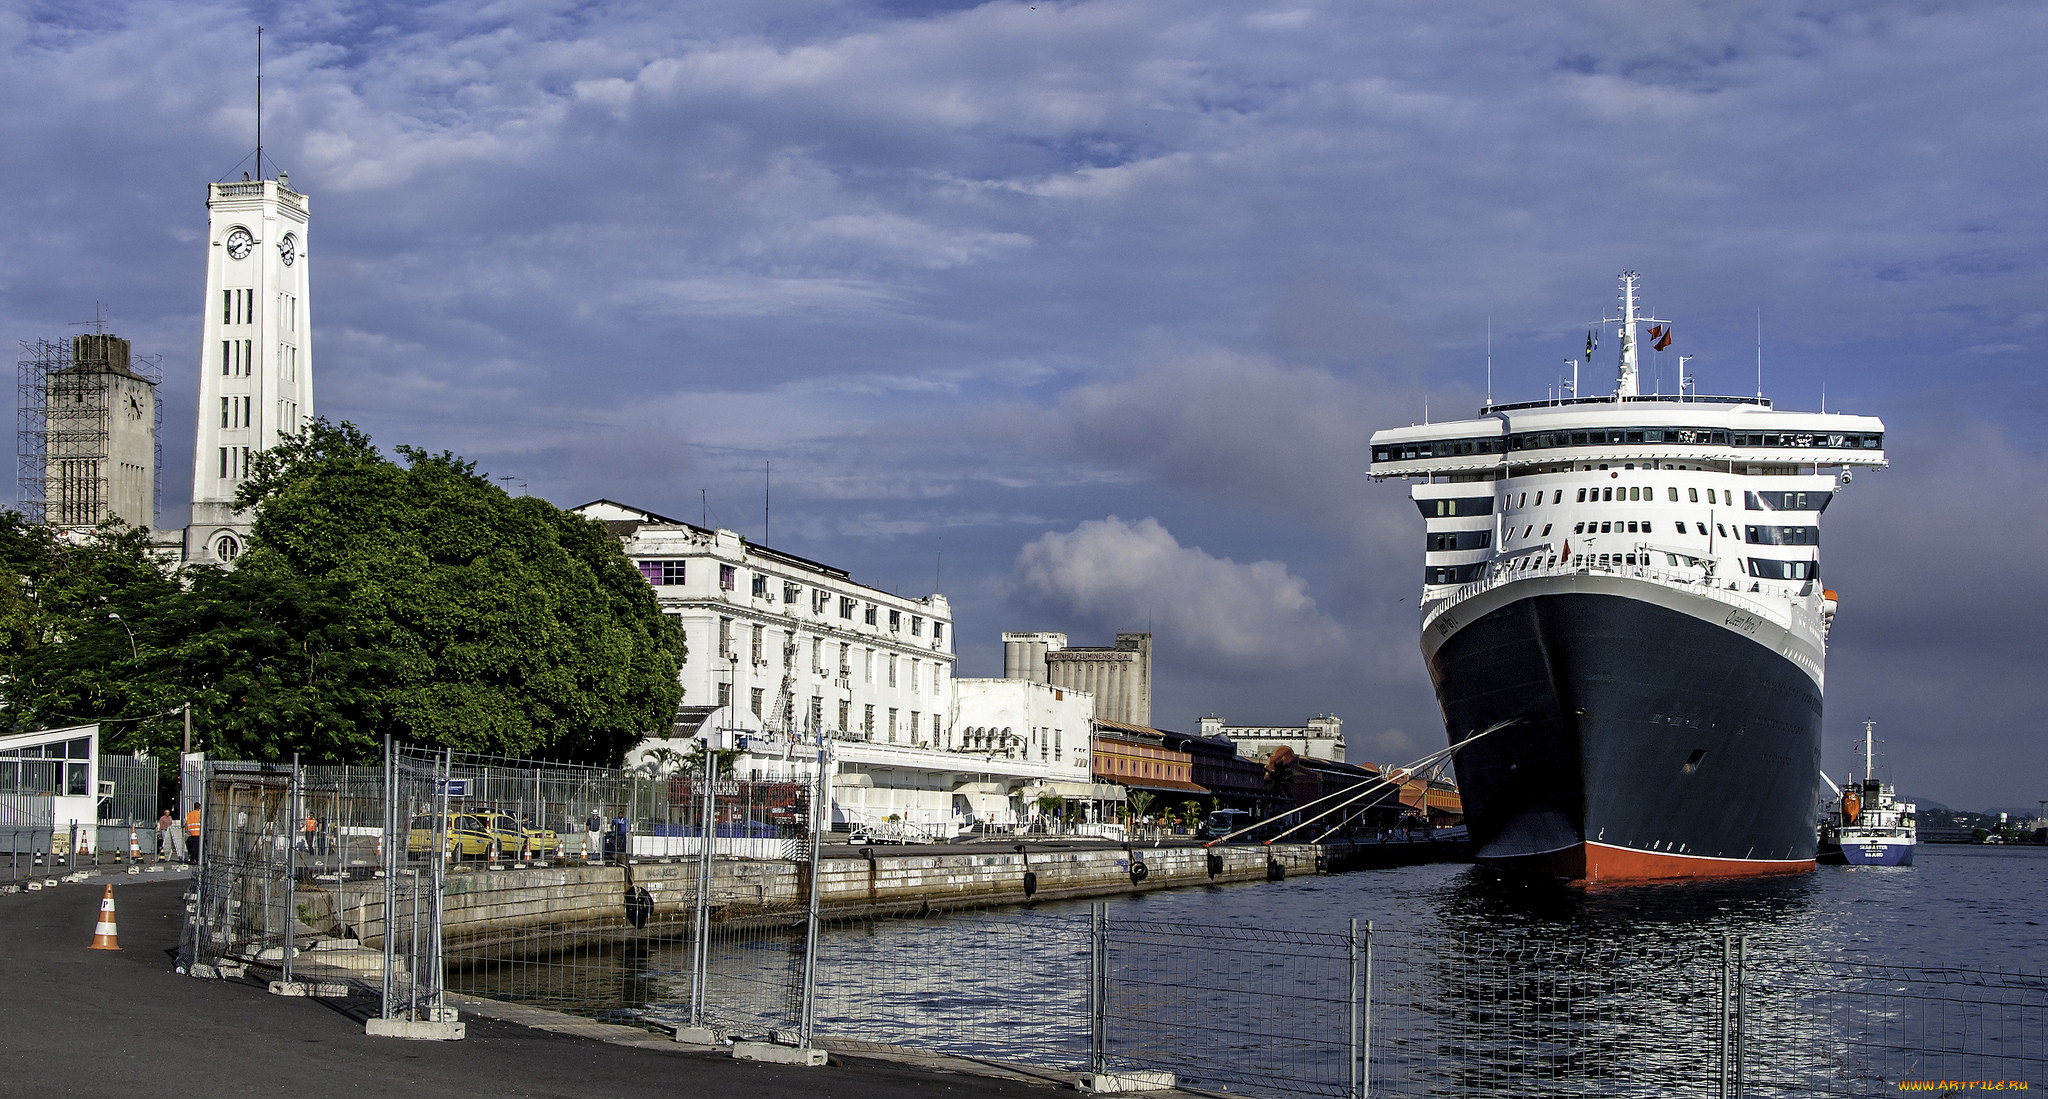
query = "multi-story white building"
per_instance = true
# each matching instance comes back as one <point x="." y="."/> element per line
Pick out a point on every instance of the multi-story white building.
<point x="783" y="650"/>
<point x="256" y="351"/>
<point x="794" y="643"/>
<point x="1321" y="738"/>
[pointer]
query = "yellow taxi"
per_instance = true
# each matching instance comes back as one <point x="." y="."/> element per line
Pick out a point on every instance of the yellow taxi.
<point x="511" y="833"/>
<point x="469" y="836"/>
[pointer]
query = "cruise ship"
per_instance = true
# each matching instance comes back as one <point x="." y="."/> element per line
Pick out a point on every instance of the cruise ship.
<point x="1623" y="616"/>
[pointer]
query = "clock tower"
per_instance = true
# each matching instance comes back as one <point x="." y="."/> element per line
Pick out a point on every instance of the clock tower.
<point x="255" y="353"/>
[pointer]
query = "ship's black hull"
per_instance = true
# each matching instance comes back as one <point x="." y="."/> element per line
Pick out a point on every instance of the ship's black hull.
<point x="1643" y="742"/>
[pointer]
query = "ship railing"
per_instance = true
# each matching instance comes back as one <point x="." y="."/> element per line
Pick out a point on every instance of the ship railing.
<point x="1776" y="609"/>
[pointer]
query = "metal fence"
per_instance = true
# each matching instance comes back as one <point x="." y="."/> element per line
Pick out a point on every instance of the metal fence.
<point x="691" y="902"/>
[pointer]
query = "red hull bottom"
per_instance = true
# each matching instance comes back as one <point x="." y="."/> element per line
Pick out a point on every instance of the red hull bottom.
<point x="1589" y="863"/>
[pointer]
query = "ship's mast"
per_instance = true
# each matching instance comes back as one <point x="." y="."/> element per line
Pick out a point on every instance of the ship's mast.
<point x="1628" y="386"/>
<point x="1869" y="766"/>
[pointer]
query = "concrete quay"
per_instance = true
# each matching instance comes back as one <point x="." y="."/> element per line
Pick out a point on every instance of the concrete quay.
<point x="518" y="910"/>
<point x="121" y="1023"/>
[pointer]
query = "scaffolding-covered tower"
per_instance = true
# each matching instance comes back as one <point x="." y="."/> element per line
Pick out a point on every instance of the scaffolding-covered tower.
<point x="87" y="448"/>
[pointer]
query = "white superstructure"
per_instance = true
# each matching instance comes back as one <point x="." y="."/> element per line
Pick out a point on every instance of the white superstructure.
<point x="1717" y="497"/>
<point x="255" y="351"/>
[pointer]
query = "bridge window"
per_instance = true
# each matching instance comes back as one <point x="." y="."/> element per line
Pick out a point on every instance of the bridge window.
<point x="1448" y="508"/>
<point x="1787" y="501"/>
<point x="1443" y="541"/>
<point x="1767" y="569"/>
<point x="1782" y="536"/>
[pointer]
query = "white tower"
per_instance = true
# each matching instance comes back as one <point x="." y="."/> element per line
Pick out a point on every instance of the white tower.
<point x="256" y="354"/>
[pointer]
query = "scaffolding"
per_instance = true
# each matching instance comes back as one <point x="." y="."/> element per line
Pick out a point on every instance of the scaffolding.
<point x="66" y="422"/>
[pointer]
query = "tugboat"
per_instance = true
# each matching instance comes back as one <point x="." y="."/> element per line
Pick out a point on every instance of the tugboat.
<point x="1869" y="825"/>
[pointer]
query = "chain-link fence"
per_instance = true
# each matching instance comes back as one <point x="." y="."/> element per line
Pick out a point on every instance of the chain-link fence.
<point x="695" y="902"/>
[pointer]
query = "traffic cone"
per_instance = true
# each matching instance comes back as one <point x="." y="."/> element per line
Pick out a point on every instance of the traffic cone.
<point x="103" y="934"/>
<point x="134" y="848"/>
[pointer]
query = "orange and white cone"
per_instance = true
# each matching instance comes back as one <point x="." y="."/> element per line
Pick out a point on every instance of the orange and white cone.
<point x="134" y="848"/>
<point x="103" y="935"/>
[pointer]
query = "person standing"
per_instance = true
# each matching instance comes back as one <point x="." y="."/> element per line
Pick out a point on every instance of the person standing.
<point x="166" y="836"/>
<point x="192" y="835"/>
<point x="593" y="834"/>
<point x="312" y="832"/>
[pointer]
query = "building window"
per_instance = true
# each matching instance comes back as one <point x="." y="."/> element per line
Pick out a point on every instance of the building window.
<point x="913" y="675"/>
<point x="867" y="664"/>
<point x="662" y="573"/>
<point x="845" y="709"/>
<point x="789" y="649"/>
<point x="223" y="461"/>
<point x="760" y="586"/>
<point x="845" y="666"/>
<point x="759" y="631"/>
<point x="790" y="591"/>
<point x="724" y="637"/>
<point x="1056" y="745"/>
<point x="938" y="632"/>
<point x="867" y="721"/>
<point x="755" y="700"/>
<point x="227" y="548"/>
<point x="725" y="694"/>
<point x="817" y="713"/>
<point x="892" y="669"/>
<point x="820" y="600"/>
<point x="895" y="621"/>
<point x="871" y="614"/>
<point x="818" y="655"/>
<point x="892" y="724"/>
<point x="728" y="578"/>
<point x="846" y="608"/>
<point x="916" y="625"/>
<point x="913" y="726"/>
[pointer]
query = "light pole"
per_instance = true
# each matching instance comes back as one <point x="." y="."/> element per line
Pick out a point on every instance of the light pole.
<point x="133" y="652"/>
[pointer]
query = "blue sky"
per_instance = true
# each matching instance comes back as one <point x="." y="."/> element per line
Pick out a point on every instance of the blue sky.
<point x="1088" y="309"/>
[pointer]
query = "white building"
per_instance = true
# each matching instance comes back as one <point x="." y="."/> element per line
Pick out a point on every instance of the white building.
<point x="1321" y="738"/>
<point x="783" y="649"/>
<point x="795" y="643"/>
<point x="50" y="779"/>
<point x="1012" y="743"/>
<point x="256" y="351"/>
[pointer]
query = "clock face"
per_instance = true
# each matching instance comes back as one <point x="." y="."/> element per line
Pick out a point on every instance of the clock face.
<point x="288" y="249"/>
<point x="239" y="243"/>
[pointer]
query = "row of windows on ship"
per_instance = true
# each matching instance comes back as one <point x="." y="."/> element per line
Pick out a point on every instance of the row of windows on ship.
<point x="1761" y="568"/>
<point x="1694" y="436"/>
<point x="1453" y="540"/>
<point x="1460" y="507"/>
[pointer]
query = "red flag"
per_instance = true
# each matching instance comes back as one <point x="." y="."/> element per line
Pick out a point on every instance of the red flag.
<point x="1662" y="343"/>
<point x="1656" y="330"/>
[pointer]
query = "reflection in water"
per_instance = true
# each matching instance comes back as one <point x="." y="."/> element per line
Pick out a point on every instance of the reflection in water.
<point x="1482" y="984"/>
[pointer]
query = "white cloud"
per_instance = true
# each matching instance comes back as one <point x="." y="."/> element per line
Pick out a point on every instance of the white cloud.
<point x="1205" y="611"/>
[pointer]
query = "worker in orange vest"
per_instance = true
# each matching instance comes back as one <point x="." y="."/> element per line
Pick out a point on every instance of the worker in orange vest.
<point x="192" y="835"/>
<point x="312" y="831"/>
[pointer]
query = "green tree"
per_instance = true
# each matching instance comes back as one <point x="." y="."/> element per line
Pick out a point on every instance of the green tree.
<point x="415" y="599"/>
<point x="1138" y="800"/>
<point x="74" y="613"/>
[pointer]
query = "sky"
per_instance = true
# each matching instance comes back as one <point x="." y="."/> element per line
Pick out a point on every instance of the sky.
<point x="1083" y="313"/>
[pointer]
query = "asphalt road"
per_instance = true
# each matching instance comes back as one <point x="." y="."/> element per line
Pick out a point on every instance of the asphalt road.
<point x="104" y="1023"/>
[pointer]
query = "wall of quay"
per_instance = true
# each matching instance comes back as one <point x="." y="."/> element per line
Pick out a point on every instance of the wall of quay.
<point x="515" y="911"/>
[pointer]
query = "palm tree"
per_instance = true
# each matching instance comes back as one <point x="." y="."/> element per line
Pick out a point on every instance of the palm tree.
<point x="1049" y="805"/>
